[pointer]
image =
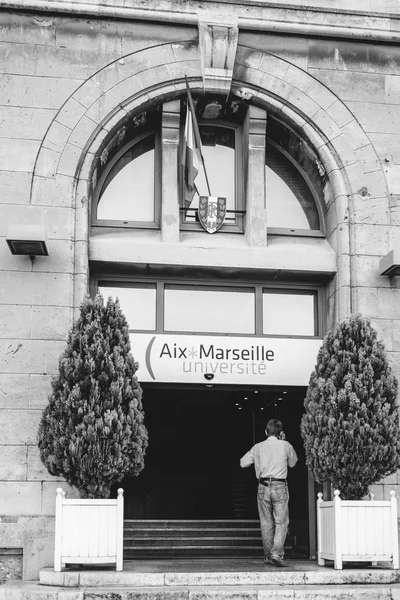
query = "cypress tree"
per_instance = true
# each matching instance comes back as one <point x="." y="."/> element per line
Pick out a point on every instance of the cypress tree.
<point x="350" y="427"/>
<point x="92" y="431"/>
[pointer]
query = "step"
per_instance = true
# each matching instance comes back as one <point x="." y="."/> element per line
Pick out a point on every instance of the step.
<point x="190" y="552"/>
<point x="194" y="538"/>
<point x="34" y="591"/>
<point x="240" y="574"/>
<point x="191" y="531"/>
<point x="140" y="554"/>
<point x="162" y="552"/>
<point x="192" y="541"/>
<point x="196" y="523"/>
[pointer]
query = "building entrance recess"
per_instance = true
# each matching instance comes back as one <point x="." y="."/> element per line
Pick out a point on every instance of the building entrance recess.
<point x="196" y="439"/>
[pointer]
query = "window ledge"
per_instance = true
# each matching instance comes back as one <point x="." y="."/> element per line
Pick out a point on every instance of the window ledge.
<point x="283" y="253"/>
<point x="273" y="231"/>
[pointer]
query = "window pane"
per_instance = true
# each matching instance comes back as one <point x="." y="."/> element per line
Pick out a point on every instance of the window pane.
<point x="128" y="194"/>
<point x="137" y="303"/>
<point x="288" y="314"/>
<point x="218" y="310"/>
<point x="219" y="157"/>
<point x="290" y="203"/>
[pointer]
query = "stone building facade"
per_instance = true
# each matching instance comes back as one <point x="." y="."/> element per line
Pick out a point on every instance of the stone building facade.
<point x="81" y="81"/>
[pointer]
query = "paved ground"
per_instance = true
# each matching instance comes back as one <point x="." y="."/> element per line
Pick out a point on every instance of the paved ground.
<point x="213" y="565"/>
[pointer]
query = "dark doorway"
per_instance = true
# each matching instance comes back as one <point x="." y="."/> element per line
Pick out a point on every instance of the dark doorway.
<point x="196" y="439"/>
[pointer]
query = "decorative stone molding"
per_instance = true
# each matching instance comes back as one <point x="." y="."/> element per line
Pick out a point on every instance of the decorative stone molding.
<point x="217" y="43"/>
<point x="301" y="20"/>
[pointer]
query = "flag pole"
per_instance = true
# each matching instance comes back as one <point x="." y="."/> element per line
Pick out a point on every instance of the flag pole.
<point x="196" y="132"/>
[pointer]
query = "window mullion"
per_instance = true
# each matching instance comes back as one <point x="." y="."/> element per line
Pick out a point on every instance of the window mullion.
<point x="160" y="306"/>
<point x="259" y="310"/>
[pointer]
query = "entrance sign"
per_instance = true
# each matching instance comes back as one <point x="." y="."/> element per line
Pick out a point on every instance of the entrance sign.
<point x="211" y="212"/>
<point x="221" y="359"/>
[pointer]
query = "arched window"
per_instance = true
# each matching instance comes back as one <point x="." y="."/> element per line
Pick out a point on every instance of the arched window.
<point x="289" y="200"/>
<point x="295" y="180"/>
<point x="128" y="187"/>
<point x="128" y="174"/>
<point x="222" y="158"/>
<point x="221" y="125"/>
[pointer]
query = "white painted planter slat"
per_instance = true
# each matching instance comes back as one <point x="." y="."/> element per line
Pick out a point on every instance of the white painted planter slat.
<point x="362" y="530"/>
<point x="89" y="531"/>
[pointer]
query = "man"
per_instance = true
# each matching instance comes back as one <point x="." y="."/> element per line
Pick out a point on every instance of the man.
<point x="271" y="459"/>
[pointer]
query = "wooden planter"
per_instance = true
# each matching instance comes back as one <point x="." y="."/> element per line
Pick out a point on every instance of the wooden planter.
<point x="357" y="530"/>
<point x="89" y="531"/>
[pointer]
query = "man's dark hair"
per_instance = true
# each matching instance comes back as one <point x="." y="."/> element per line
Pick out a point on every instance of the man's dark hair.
<point x="274" y="427"/>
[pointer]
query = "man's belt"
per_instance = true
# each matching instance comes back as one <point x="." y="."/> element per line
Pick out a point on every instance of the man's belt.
<point x="267" y="480"/>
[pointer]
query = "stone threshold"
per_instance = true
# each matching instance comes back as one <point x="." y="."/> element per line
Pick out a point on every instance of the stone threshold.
<point x="174" y="576"/>
<point x="35" y="591"/>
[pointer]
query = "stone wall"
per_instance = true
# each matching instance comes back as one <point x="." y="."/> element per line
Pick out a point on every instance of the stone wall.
<point x="364" y="77"/>
<point x="10" y="564"/>
<point x="44" y="59"/>
<point x="61" y="85"/>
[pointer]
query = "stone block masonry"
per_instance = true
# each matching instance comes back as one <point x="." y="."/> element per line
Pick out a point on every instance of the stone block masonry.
<point x="68" y="80"/>
<point x="10" y="564"/>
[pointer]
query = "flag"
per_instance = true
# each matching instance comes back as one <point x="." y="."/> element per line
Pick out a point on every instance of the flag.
<point x="192" y="153"/>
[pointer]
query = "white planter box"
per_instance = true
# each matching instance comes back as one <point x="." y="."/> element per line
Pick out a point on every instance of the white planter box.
<point x="357" y="530"/>
<point x="89" y="531"/>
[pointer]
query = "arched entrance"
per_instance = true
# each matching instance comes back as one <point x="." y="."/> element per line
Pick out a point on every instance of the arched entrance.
<point x="109" y="101"/>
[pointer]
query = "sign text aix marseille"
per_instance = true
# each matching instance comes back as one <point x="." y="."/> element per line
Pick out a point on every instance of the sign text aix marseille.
<point x="209" y="358"/>
<point x="188" y="358"/>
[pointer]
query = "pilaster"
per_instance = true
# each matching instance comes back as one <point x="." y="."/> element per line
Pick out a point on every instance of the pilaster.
<point x="169" y="172"/>
<point x="256" y="214"/>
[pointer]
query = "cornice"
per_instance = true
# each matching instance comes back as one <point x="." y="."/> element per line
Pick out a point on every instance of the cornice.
<point x="253" y="15"/>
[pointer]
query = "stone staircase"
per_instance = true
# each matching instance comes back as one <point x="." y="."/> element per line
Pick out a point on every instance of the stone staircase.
<point x="193" y="538"/>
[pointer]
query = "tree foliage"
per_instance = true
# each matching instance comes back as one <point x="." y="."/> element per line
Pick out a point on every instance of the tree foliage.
<point x="351" y="425"/>
<point x="92" y="431"/>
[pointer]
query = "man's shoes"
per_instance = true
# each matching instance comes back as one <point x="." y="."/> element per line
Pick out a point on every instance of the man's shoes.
<point x="268" y="561"/>
<point x="277" y="561"/>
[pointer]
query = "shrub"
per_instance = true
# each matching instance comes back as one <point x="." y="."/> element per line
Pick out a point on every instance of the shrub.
<point x="351" y="425"/>
<point x="92" y="431"/>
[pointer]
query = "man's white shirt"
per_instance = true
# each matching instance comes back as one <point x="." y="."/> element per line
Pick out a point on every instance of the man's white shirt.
<point x="270" y="458"/>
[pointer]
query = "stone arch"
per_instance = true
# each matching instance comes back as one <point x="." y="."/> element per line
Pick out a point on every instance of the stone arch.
<point x="98" y="105"/>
